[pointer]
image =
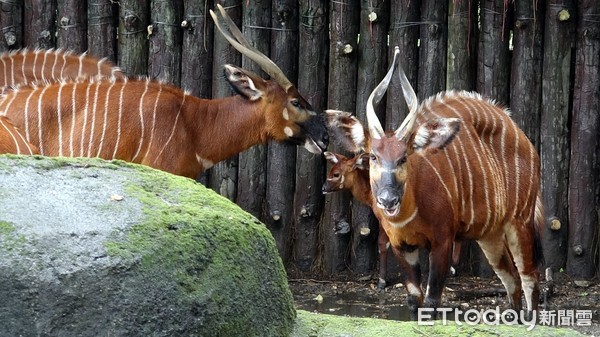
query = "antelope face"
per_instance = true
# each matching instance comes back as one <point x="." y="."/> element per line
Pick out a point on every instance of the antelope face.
<point x="388" y="173"/>
<point x="288" y="116"/>
<point x="340" y="175"/>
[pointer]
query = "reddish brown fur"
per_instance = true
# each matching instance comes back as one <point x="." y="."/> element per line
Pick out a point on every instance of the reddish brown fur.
<point x="186" y="128"/>
<point x="25" y="66"/>
<point x="12" y="141"/>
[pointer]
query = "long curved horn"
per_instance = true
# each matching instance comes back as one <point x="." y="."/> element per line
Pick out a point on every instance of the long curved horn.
<point x="412" y="102"/>
<point x="243" y="46"/>
<point x="375" y="128"/>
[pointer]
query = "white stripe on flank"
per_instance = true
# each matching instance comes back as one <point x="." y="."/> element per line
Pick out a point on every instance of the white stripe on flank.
<point x="25" y="142"/>
<point x="100" y="67"/>
<point x="80" y="71"/>
<point x="36" y="53"/>
<point x="52" y="76"/>
<point x="104" y="124"/>
<point x="23" y="68"/>
<point x="73" y="119"/>
<point x="517" y="171"/>
<point x="141" y="112"/>
<point x="26" y="112"/>
<point x="12" y="70"/>
<point x="11" y="135"/>
<point x="8" y="103"/>
<point x="85" y="117"/>
<point x="153" y="121"/>
<point x="5" y="78"/>
<point x="93" y="126"/>
<point x="120" y="115"/>
<point x="173" y="130"/>
<point x="62" y="69"/>
<point x="59" y="117"/>
<point x="40" y="99"/>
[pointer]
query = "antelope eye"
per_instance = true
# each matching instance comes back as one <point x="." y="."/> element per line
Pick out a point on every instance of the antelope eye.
<point x="402" y="160"/>
<point x="336" y="175"/>
<point x="372" y="157"/>
<point x="295" y="103"/>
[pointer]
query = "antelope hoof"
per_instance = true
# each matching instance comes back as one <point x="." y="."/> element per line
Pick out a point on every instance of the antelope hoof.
<point x="381" y="284"/>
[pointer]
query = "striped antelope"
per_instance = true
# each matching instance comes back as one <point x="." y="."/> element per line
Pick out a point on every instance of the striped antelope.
<point x="12" y="141"/>
<point x="158" y="125"/>
<point x="457" y="167"/>
<point x="352" y="174"/>
<point x="26" y="66"/>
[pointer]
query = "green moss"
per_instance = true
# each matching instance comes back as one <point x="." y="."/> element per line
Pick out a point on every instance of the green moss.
<point x="317" y="325"/>
<point x="6" y="227"/>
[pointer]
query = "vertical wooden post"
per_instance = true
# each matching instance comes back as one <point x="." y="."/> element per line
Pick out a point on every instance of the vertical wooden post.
<point x="554" y="145"/>
<point x="72" y="25"/>
<point x="526" y="70"/>
<point x="281" y="163"/>
<point x="343" y="62"/>
<point x="223" y="176"/>
<point x="252" y="172"/>
<point x="433" y="48"/>
<point x="164" y="62"/>
<point x="39" y="26"/>
<point x="462" y="45"/>
<point x="134" y="18"/>
<point x="11" y="23"/>
<point x="102" y="31"/>
<point x="372" y="66"/>
<point x="404" y="33"/>
<point x="312" y="83"/>
<point x="585" y="140"/>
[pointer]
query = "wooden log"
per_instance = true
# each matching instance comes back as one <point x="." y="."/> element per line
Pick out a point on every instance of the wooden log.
<point x="462" y="45"/>
<point x="312" y="83"/>
<point x="526" y="69"/>
<point x="433" y="48"/>
<point x="72" y="25"/>
<point x="493" y="60"/>
<point x="372" y="66"/>
<point x="134" y="18"/>
<point x="196" y="53"/>
<point x="39" y="24"/>
<point x="223" y="176"/>
<point x="252" y="171"/>
<point x="164" y="60"/>
<point x="281" y="163"/>
<point x="102" y="29"/>
<point x="343" y="65"/>
<point x="554" y="145"/>
<point x="585" y="140"/>
<point x="404" y="33"/>
<point x="11" y="22"/>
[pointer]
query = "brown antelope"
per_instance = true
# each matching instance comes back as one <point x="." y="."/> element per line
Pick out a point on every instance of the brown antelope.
<point x="457" y="167"/>
<point x="352" y="174"/>
<point x="158" y="125"/>
<point x="12" y="141"/>
<point x="25" y="66"/>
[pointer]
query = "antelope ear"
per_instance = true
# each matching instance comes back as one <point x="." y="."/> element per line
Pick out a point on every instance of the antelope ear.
<point x="331" y="157"/>
<point x="241" y="81"/>
<point x="362" y="162"/>
<point x="436" y="133"/>
<point x="346" y="130"/>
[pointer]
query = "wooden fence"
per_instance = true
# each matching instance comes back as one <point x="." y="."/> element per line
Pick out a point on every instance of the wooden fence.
<point x="541" y="58"/>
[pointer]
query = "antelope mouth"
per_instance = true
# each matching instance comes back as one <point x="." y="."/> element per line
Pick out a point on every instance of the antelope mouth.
<point x="390" y="211"/>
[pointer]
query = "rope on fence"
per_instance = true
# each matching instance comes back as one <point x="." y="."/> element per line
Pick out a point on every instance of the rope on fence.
<point x="406" y="24"/>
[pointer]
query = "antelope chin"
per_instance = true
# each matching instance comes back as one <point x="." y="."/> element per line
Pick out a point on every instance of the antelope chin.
<point x="390" y="212"/>
<point x="312" y="146"/>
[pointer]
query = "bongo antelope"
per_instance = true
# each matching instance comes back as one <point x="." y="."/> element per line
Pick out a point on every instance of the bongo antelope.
<point x="12" y="141"/>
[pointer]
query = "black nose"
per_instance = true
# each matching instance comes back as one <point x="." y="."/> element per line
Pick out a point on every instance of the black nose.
<point x="387" y="198"/>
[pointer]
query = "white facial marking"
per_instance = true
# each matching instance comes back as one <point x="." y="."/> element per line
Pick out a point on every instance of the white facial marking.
<point x="288" y="131"/>
<point x="286" y="114"/>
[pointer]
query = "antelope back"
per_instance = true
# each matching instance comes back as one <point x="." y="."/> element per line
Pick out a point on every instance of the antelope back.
<point x="26" y="66"/>
<point x="12" y="141"/>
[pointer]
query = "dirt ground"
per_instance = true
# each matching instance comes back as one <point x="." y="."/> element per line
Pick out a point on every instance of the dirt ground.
<point x="357" y="295"/>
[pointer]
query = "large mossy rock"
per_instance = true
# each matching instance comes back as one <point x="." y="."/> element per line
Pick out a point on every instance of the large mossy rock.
<point x="96" y="248"/>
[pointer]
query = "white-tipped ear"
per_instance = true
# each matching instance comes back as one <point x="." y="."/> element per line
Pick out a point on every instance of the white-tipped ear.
<point x="346" y="130"/>
<point x="362" y="161"/>
<point x="436" y="133"/>
<point x="242" y="83"/>
<point x="331" y="157"/>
